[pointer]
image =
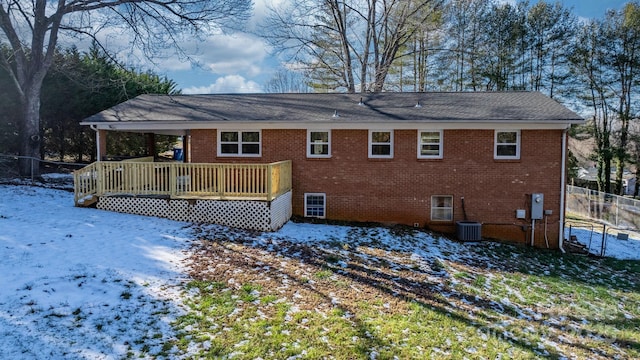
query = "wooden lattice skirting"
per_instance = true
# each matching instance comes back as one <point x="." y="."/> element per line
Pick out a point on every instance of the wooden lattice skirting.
<point x="244" y="214"/>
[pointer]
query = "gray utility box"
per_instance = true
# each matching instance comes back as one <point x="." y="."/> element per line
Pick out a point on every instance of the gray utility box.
<point x="537" y="206"/>
<point x="469" y="230"/>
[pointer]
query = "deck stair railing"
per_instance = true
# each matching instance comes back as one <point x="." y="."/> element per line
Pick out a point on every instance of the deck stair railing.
<point x="182" y="180"/>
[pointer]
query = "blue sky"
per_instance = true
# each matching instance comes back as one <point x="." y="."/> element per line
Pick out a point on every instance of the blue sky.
<point x="592" y="8"/>
<point x="242" y="62"/>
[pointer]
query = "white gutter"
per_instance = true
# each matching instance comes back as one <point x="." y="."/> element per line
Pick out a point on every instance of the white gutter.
<point x="563" y="188"/>
<point x="324" y="125"/>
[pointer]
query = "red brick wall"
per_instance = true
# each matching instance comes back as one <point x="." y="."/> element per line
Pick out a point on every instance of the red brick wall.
<point x="203" y="146"/>
<point x="399" y="190"/>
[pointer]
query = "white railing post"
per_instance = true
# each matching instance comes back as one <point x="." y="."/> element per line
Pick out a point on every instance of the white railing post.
<point x="172" y="180"/>
<point x="220" y="178"/>
<point x="269" y="182"/>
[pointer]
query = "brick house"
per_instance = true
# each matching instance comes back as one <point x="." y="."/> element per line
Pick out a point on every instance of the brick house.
<point x="421" y="159"/>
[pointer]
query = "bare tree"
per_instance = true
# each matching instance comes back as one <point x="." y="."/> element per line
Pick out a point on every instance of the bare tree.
<point x="33" y="28"/>
<point x="464" y="20"/>
<point x="420" y="53"/>
<point x="316" y="34"/>
<point x="550" y="29"/>
<point x="588" y="65"/>
<point x="502" y="48"/>
<point x="395" y="28"/>
<point x="286" y="81"/>
<point x="335" y="37"/>
<point x="635" y="139"/>
<point x="607" y="59"/>
<point x="623" y="29"/>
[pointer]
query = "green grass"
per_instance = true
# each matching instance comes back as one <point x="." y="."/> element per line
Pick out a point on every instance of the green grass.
<point x="488" y="301"/>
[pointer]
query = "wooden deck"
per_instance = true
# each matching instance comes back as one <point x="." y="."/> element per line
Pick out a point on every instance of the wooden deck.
<point x="181" y="180"/>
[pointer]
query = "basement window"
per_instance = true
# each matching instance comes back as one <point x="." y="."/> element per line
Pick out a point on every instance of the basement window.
<point x="381" y="144"/>
<point x="442" y="208"/>
<point x="239" y="143"/>
<point x="507" y="144"/>
<point x="318" y="144"/>
<point x="315" y="205"/>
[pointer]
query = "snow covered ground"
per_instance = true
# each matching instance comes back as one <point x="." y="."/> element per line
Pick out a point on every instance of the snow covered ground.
<point x="84" y="283"/>
<point x="623" y="249"/>
<point x="88" y="284"/>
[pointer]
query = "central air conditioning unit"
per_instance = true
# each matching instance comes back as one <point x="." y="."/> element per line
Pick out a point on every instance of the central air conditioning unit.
<point x="469" y="230"/>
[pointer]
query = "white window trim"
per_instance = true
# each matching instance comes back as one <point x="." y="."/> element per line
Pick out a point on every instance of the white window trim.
<point x="420" y="143"/>
<point x="371" y="143"/>
<point x="495" y="146"/>
<point x="239" y="154"/>
<point x="309" y="143"/>
<point x="438" y="207"/>
<point x="324" y="197"/>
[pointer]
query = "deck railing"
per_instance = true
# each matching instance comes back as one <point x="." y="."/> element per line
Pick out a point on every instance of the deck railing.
<point x="183" y="180"/>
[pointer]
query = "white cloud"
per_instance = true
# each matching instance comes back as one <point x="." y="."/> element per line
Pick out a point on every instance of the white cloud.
<point x="226" y="84"/>
<point x="223" y="54"/>
<point x="261" y="9"/>
<point x="217" y="52"/>
<point x="235" y="57"/>
<point x="236" y="53"/>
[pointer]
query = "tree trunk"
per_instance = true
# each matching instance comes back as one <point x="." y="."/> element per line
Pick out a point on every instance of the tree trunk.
<point x="30" y="139"/>
<point x="607" y="175"/>
<point x="364" y="65"/>
<point x="618" y="188"/>
<point x="620" y="152"/>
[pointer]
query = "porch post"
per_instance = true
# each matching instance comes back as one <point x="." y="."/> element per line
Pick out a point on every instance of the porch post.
<point x="101" y="144"/>
<point x="151" y="144"/>
<point x="186" y="146"/>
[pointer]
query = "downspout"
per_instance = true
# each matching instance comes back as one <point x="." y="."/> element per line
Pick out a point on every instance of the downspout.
<point x="95" y="128"/>
<point x="563" y="188"/>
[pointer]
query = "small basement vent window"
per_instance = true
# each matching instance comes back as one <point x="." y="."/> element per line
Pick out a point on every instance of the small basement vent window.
<point x="442" y="208"/>
<point x="315" y="205"/>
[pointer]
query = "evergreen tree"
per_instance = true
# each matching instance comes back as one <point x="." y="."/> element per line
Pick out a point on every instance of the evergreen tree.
<point x="79" y="85"/>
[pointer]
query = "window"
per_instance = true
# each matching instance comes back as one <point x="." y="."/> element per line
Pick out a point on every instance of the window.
<point x="239" y="143"/>
<point x="380" y="144"/>
<point x="507" y="144"/>
<point x="318" y="144"/>
<point x="442" y="208"/>
<point x="430" y="144"/>
<point x="315" y="205"/>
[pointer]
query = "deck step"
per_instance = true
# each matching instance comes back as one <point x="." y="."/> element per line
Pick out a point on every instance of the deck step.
<point x="573" y="246"/>
<point x="88" y="201"/>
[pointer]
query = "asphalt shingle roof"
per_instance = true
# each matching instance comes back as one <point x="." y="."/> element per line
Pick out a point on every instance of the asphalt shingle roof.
<point x="378" y="107"/>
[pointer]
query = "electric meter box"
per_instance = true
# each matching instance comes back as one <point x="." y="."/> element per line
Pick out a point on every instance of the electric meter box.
<point x="537" y="206"/>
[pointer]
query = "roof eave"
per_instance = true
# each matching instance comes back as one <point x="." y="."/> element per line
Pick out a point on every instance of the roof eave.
<point x="332" y="124"/>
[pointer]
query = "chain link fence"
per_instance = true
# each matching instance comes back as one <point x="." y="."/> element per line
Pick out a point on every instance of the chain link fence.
<point x="619" y="211"/>
<point x="51" y="172"/>
<point x="611" y="222"/>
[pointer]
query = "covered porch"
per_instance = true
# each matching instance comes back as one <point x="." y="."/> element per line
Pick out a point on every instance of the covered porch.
<point x="236" y="193"/>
